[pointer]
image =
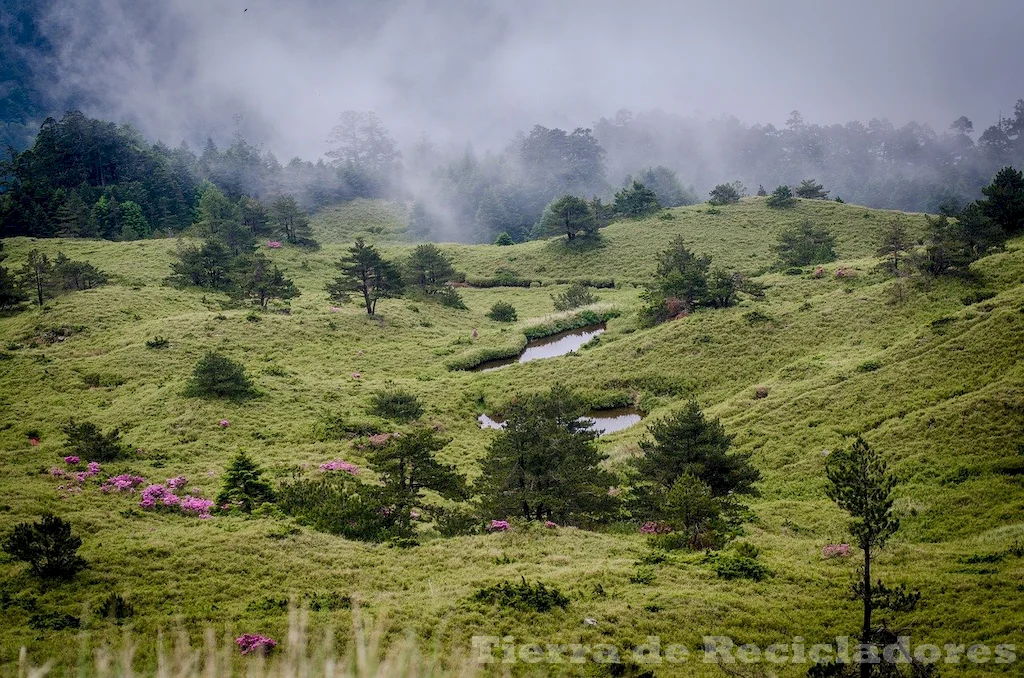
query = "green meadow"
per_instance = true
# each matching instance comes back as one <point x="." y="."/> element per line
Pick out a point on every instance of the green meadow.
<point x="932" y="375"/>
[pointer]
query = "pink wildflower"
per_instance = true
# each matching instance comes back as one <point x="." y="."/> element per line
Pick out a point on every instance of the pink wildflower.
<point x="177" y="482"/>
<point x="356" y="375"/>
<point x="196" y="506"/>
<point x="57" y="472"/>
<point x="415" y="515"/>
<point x="224" y="423"/>
<point x="499" y="526"/>
<point x="125" y="482"/>
<point x="93" y="468"/>
<point x="33" y="441"/>
<point x="340" y="465"/>
<point x="550" y="525"/>
<point x="254" y="642"/>
<point x="273" y="244"/>
<point x="71" y="460"/>
<point x="835" y="551"/>
<point x="335" y="309"/>
<point x="651" y="527"/>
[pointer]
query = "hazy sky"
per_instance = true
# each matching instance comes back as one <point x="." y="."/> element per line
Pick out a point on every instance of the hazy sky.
<point x="478" y="70"/>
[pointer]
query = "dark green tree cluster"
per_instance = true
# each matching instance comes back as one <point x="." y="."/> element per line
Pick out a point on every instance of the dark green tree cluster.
<point x="665" y="184"/>
<point x="725" y="194"/>
<point x="217" y="376"/>
<point x="684" y="281"/>
<point x="11" y="295"/>
<point x="809" y="189"/>
<point x="48" y="546"/>
<point x="636" y="200"/>
<point x="576" y="295"/>
<point x="366" y="272"/>
<point x="570" y="216"/>
<point x="805" y="244"/>
<point x="781" y="197"/>
<point x="41" y="278"/>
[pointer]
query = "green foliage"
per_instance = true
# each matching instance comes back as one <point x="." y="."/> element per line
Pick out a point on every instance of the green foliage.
<point x="544" y="464"/>
<point x="781" y="198"/>
<point x="211" y="266"/>
<point x="687" y="443"/>
<point x="570" y="216"/>
<point x="407" y="466"/>
<point x="503" y="312"/>
<point x="1004" y="200"/>
<point x="428" y="268"/>
<point x="264" y="282"/>
<point x="859" y="483"/>
<point x="244" y="486"/>
<point x="455" y="522"/>
<point x="449" y="297"/>
<point x="394" y="403"/>
<point x="217" y="376"/>
<point x="338" y="504"/>
<point x="810" y="190"/>
<point x="805" y="245"/>
<point x="48" y="547"/>
<point x="290" y="221"/>
<point x="11" y="295"/>
<point x="87" y="441"/>
<point x="577" y="295"/>
<point x="522" y="596"/>
<point x="115" y="608"/>
<point x="504" y="240"/>
<point x="946" y="248"/>
<point x="681" y="282"/>
<point x="44" y="279"/>
<point x="53" y="621"/>
<point x="636" y="200"/>
<point x="740" y="567"/>
<point x="724" y="194"/>
<point x="895" y="241"/>
<point x="220" y="219"/>
<point x="664" y="182"/>
<point x="365" y="271"/>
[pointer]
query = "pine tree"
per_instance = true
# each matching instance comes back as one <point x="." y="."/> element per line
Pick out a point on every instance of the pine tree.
<point x="811" y="190"/>
<point x="244" y="485"/>
<point x="781" y="197"/>
<point x="365" y="271"/>
<point x="220" y="219"/>
<point x="37" y="277"/>
<point x="289" y="219"/>
<point x="428" y="268"/>
<point x="544" y="465"/>
<point x="805" y="244"/>
<point x="895" y="241"/>
<point x="724" y="194"/>
<point x="688" y="443"/>
<point x="1004" y="200"/>
<point x="255" y="217"/>
<point x="265" y="281"/>
<point x="860" y="484"/>
<point x="407" y="466"/>
<point x="569" y="215"/>
<point x="636" y="201"/>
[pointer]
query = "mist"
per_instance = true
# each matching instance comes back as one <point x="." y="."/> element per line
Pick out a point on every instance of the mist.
<point x="280" y="73"/>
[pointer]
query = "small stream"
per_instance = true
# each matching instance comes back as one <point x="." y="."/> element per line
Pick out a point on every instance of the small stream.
<point x="603" y="421"/>
<point x="547" y="347"/>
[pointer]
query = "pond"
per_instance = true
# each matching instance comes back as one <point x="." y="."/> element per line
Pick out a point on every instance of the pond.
<point x="546" y="347"/>
<point x="604" y="421"/>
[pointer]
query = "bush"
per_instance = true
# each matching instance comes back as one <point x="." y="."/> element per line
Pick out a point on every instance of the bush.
<point x="336" y="427"/>
<point x="244" y="486"/>
<point x="577" y="295"/>
<point x="218" y="376"/>
<point x="392" y="403"/>
<point x="740" y="567"/>
<point x="504" y="240"/>
<point x="115" y="608"/>
<point x="157" y="342"/>
<point x="805" y="245"/>
<point x="338" y="504"/>
<point x="53" y="621"/>
<point x="724" y="194"/>
<point x="782" y="197"/>
<point x="87" y="441"/>
<point x="450" y="297"/>
<point x="522" y="596"/>
<point x="47" y="546"/>
<point x="455" y="522"/>
<point x="503" y="312"/>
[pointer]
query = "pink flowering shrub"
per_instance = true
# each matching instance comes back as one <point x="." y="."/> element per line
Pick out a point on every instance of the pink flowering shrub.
<point x="335" y="309"/>
<point x="550" y="525"/>
<point x="196" y="506"/>
<point x="499" y="526"/>
<point x="57" y="472"/>
<point x="818" y="272"/>
<point x="34" y="442"/>
<point x="125" y="482"/>
<point x="340" y="465"/>
<point x="356" y="375"/>
<point x="651" y="527"/>
<point x="835" y="551"/>
<point x="177" y="482"/>
<point x="71" y="460"/>
<point x="254" y="642"/>
<point x="93" y="468"/>
<point x="224" y="423"/>
<point x="274" y="244"/>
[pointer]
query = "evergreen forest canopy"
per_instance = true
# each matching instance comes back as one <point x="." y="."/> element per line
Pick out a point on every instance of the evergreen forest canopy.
<point x="83" y="177"/>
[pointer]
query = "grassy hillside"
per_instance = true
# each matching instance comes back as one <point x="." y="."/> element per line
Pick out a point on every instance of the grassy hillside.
<point x="933" y="382"/>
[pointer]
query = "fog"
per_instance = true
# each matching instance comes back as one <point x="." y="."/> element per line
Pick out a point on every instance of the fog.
<point x="470" y="71"/>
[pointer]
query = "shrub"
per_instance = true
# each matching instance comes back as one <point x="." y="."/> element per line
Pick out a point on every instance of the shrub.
<point x="87" y="441"/>
<point x="782" y="197"/>
<point x="244" y="485"/>
<point x="47" y="546"/>
<point x="503" y="312"/>
<point x="218" y="376"/>
<point x="97" y="380"/>
<point x="869" y="366"/>
<point x="338" y="504"/>
<point x="115" y="608"/>
<point x="449" y="296"/>
<point x="53" y="621"/>
<point x="642" y="575"/>
<point x="577" y="295"/>
<point x="336" y="427"/>
<point x="157" y="342"/>
<point x="392" y="403"/>
<point x="977" y="297"/>
<point x="724" y="194"/>
<point x="504" y="240"/>
<point x="740" y="567"/>
<point x="522" y="596"/>
<point x="455" y="522"/>
<point x="805" y="244"/>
